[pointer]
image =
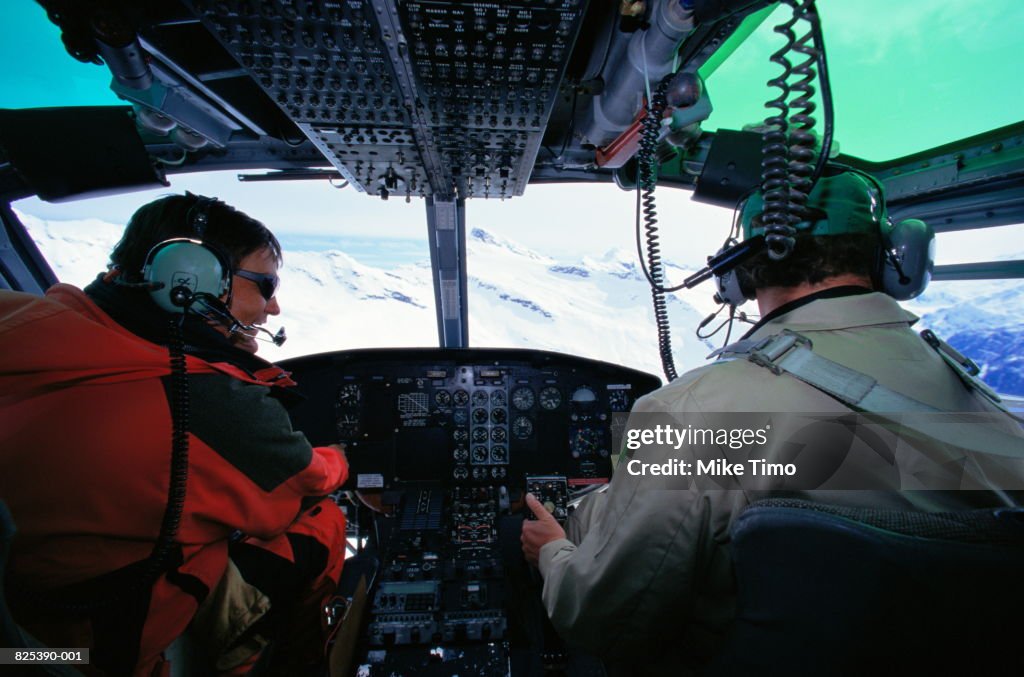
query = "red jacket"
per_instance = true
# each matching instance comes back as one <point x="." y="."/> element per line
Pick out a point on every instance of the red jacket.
<point x="85" y="449"/>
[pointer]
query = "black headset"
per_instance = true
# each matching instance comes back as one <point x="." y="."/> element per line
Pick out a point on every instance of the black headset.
<point x="906" y="257"/>
<point x="732" y="288"/>
<point x="906" y="251"/>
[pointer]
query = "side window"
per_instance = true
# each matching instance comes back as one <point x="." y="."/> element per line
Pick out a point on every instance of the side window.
<point x="980" y="318"/>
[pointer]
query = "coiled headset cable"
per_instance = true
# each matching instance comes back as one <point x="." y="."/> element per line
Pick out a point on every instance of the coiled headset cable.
<point x="161" y="558"/>
<point x="788" y="167"/>
<point x="178" y="485"/>
<point x="789" y="170"/>
<point x="647" y="181"/>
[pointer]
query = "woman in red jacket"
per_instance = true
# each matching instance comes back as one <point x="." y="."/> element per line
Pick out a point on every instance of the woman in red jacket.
<point x="148" y="459"/>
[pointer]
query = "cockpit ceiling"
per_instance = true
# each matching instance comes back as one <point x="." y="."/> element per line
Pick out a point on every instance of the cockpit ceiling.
<point x="410" y="98"/>
<point x="446" y="99"/>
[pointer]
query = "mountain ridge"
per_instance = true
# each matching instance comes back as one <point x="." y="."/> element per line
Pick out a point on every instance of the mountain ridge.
<point x="593" y="307"/>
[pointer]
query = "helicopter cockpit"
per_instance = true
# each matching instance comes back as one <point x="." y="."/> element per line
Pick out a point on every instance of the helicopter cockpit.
<point x="460" y="106"/>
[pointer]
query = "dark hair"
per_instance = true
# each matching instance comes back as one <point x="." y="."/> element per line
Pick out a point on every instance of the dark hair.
<point x="236" y="234"/>
<point x="813" y="260"/>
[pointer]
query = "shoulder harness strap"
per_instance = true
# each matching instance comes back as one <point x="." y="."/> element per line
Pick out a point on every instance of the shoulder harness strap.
<point x="792" y="353"/>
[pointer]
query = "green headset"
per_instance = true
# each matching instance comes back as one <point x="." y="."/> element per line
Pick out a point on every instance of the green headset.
<point x="848" y="203"/>
<point x="182" y="272"/>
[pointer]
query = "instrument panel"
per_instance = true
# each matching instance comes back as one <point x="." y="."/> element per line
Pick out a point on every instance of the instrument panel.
<point x="465" y="417"/>
<point x="451" y="440"/>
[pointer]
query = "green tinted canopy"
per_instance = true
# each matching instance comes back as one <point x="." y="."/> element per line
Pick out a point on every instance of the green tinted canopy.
<point x="907" y="76"/>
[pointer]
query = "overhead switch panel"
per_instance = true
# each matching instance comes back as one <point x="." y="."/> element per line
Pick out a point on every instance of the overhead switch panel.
<point x="409" y="98"/>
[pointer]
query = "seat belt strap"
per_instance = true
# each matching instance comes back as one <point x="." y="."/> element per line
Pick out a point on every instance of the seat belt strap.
<point x="791" y="353"/>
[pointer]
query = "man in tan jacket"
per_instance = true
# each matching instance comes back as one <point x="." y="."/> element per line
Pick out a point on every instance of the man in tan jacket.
<point x="641" y="575"/>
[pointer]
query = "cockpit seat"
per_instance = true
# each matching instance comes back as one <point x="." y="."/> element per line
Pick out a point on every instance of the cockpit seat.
<point x="828" y="590"/>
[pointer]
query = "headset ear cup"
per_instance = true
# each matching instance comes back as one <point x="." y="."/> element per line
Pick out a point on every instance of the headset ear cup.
<point x="736" y="286"/>
<point x="729" y="289"/>
<point x="746" y="283"/>
<point x="907" y="259"/>
<point x="183" y="269"/>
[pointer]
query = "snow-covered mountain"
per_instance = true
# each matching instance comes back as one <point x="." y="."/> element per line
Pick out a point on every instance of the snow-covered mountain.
<point x="598" y="308"/>
<point x="982" y="320"/>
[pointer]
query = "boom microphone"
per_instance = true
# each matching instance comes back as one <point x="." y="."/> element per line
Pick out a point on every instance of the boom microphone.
<point x="216" y="310"/>
<point x="277" y="339"/>
<point x="724" y="261"/>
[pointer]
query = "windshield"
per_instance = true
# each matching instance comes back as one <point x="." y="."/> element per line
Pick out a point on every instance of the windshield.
<point x="357" y="269"/>
<point x="557" y="269"/>
<point x="554" y="270"/>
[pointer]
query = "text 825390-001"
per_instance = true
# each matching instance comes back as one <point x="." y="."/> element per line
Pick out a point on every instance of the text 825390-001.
<point x="44" y="656"/>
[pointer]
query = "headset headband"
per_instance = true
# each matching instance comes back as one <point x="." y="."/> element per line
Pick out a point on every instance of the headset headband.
<point x="199" y="213"/>
<point x="853" y="202"/>
<point x="847" y="203"/>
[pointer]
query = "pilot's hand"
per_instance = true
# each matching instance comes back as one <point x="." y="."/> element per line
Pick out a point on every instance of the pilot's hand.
<point x="541" y="532"/>
<point x="340" y="448"/>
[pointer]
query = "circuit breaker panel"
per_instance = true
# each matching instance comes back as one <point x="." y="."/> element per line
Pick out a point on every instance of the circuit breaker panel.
<point x="409" y="98"/>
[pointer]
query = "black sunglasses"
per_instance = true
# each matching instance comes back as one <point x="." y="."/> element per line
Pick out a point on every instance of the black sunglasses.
<point x="266" y="283"/>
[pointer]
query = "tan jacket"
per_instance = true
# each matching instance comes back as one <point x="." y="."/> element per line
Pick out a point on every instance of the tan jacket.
<point x="646" y="579"/>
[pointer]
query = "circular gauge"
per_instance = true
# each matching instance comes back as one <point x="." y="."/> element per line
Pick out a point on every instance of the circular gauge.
<point x="499" y="416"/>
<point x="480" y="435"/>
<point x="480" y="398"/>
<point x="585" y="441"/>
<point x="460" y="435"/>
<point x="522" y="427"/>
<point x="584" y="395"/>
<point x="499" y="454"/>
<point x="498" y="398"/>
<point x="460" y="397"/>
<point x="460" y="473"/>
<point x="480" y="454"/>
<point x="442" y="398"/>
<point x="523" y="398"/>
<point x="480" y="416"/>
<point x="349" y="395"/>
<point x="550" y="398"/>
<point x="479" y="473"/>
<point x="618" y="400"/>
<point x="498" y="473"/>
<point x="461" y="454"/>
<point x="498" y="435"/>
<point x="460" y="416"/>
